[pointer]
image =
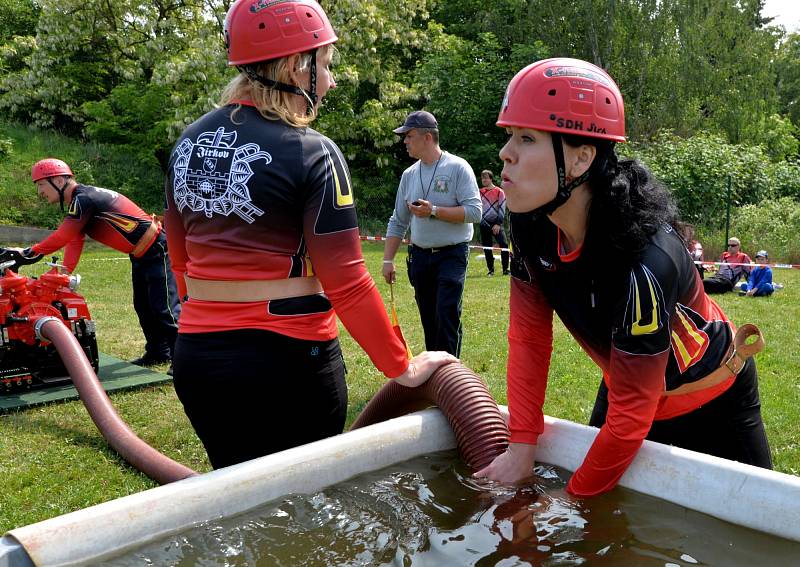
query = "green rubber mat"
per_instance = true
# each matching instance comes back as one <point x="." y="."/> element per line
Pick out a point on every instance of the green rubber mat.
<point x="115" y="374"/>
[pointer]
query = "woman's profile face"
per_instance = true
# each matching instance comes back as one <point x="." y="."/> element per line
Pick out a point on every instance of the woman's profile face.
<point x="529" y="169"/>
<point x="325" y="81"/>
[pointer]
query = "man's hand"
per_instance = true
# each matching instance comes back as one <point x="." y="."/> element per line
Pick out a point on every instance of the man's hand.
<point x="421" y="208"/>
<point x="423" y="366"/>
<point x="512" y="466"/>
<point x="496" y="229"/>
<point x="389" y="273"/>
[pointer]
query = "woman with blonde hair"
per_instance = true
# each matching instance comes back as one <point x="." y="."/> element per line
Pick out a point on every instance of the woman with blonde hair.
<point x="260" y="211"/>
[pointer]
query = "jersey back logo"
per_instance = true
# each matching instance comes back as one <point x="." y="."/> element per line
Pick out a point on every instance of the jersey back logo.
<point x="211" y="175"/>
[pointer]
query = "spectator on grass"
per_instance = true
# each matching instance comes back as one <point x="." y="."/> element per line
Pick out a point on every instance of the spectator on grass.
<point x="594" y="240"/>
<point x="493" y="201"/>
<point x="438" y="201"/>
<point x="693" y="246"/>
<point x="760" y="281"/>
<point x="262" y="222"/>
<point x="733" y="265"/>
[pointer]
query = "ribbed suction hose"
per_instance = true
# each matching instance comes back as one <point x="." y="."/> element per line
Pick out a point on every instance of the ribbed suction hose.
<point x="480" y="430"/>
<point x="139" y="454"/>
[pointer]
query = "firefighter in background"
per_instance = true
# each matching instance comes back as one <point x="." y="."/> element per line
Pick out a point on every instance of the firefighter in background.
<point x="594" y="240"/>
<point x="116" y="221"/>
<point x="264" y="237"/>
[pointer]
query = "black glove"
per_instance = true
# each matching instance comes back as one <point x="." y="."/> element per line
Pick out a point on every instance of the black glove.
<point x="30" y="255"/>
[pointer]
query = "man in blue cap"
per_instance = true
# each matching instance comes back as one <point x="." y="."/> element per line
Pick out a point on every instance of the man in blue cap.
<point x="438" y="200"/>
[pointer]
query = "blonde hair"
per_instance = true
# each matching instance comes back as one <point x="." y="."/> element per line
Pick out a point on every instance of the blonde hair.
<point x="273" y="104"/>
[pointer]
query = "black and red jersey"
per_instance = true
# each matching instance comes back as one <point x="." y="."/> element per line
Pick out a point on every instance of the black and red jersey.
<point x="649" y="327"/>
<point x="256" y="199"/>
<point x="105" y="216"/>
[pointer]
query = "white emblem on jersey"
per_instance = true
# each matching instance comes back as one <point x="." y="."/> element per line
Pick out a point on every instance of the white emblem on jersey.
<point x="211" y="175"/>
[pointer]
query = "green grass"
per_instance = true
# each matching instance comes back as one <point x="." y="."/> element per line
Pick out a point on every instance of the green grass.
<point x="53" y="460"/>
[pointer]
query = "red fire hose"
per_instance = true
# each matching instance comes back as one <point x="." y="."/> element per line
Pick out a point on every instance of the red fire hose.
<point x="159" y="467"/>
<point x="481" y="432"/>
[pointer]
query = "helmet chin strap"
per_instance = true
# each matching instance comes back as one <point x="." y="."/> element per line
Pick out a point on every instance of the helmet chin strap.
<point x="310" y="95"/>
<point x="60" y="191"/>
<point x="565" y="187"/>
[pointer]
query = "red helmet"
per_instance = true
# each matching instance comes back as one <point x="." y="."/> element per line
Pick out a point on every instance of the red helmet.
<point x="565" y="95"/>
<point x="260" y="30"/>
<point x="49" y="167"/>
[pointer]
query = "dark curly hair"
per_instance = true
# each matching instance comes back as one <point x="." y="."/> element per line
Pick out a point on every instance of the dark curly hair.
<point x="628" y="203"/>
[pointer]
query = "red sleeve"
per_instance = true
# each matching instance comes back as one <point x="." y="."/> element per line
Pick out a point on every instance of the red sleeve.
<point x="70" y="234"/>
<point x="176" y="241"/>
<point x="330" y="229"/>
<point x="72" y="254"/>
<point x="530" y="343"/>
<point x="635" y="377"/>
<point x="636" y="383"/>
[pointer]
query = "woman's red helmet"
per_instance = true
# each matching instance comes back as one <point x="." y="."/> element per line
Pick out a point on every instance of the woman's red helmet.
<point x="260" y="30"/>
<point x="565" y="95"/>
<point x="49" y="167"/>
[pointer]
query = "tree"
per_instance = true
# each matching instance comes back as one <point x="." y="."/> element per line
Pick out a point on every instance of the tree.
<point x="787" y="66"/>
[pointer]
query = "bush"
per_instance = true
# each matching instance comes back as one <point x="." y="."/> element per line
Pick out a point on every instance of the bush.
<point x="697" y="171"/>
<point x="773" y="225"/>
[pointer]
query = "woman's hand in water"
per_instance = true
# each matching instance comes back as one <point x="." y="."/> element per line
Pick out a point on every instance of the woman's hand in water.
<point x="512" y="466"/>
<point x="422" y="366"/>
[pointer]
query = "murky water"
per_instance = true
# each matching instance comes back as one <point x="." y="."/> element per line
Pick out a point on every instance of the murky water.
<point x="430" y="512"/>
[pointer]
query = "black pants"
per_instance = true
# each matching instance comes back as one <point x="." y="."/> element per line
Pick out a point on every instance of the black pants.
<point x="729" y="426"/>
<point x="250" y="393"/>
<point x="486" y="240"/>
<point x="438" y="279"/>
<point x="717" y="284"/>
<point x="155" y="299"/>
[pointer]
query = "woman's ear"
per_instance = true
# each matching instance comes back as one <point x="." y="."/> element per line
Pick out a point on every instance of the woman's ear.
<point x="580" y="159"/>
<point x="293" y="65"/>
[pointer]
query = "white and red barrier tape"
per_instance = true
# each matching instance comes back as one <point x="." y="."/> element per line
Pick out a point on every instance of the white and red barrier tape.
<point x="498" y="249"/>
<point x="379" y="238"/>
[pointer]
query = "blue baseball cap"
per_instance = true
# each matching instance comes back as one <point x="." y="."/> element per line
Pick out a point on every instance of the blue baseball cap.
<point x="418" y="119"/>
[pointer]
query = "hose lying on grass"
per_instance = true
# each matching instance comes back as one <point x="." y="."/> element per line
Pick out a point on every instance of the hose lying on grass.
<point x="139" y="454"/>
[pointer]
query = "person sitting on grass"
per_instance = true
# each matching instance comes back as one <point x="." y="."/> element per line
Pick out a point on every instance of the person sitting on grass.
<point x="734" y="264"/>
<point x="760" y="281"/>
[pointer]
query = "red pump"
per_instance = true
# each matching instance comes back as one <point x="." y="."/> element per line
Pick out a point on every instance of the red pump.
<point x="25" y="360"/>
<point x="46" y="331"/>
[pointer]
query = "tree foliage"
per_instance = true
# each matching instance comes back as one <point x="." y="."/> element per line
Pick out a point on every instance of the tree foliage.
<point x="696" y="76"/>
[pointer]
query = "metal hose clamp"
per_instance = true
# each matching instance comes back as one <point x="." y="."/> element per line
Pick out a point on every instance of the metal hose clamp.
<point x="37" y="326"/>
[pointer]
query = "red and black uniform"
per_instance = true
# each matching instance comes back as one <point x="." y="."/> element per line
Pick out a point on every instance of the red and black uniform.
<point x="116" y="221"/>
<point x="493" y="204"/>
<point x="648" y="326"/>
<point x="256" y="199"/>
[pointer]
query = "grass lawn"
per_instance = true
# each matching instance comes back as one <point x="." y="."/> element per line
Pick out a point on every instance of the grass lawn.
<point x="53" y="460"/>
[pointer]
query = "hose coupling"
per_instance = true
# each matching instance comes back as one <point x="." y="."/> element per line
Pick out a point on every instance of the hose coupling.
<point x="37" y="326"/>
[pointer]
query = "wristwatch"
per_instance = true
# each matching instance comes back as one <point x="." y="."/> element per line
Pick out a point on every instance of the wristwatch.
<point x="433" y="211"/>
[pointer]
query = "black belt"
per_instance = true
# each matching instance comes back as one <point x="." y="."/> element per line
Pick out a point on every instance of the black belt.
<point x="437" y="248"/>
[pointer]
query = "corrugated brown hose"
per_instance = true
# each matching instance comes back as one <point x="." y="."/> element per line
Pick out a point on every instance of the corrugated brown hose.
<point x="139" y="454"/>
<point x="481" y="432"/>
